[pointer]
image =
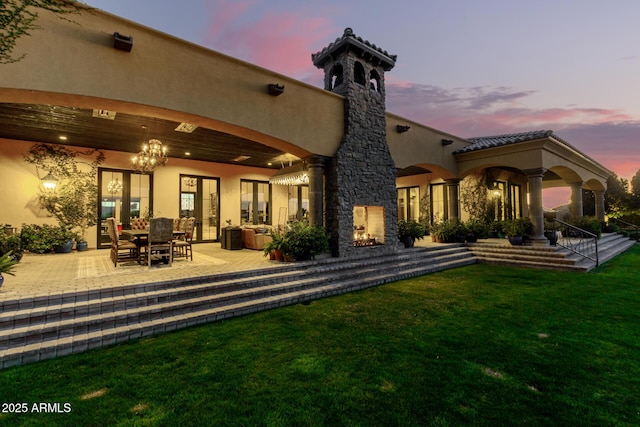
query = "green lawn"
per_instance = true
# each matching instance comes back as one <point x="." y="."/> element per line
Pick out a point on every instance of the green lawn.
<point x="480" y="345"/>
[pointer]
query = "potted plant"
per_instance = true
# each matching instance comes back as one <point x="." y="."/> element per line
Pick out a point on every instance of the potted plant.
<point x="517" y="230"/>
<point x="273" y="249"/>
<point x="11" y="243"/>
<point x="550" y="232"/>
<point x="476" y="229"/>
<point x="302" y="241"/>
<point x="447" y="231"/>
<point x="410" y="231"/>
<point x="7" y="264"/>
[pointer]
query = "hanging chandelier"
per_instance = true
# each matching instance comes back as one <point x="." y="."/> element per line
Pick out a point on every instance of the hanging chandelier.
<point x="152" y="155"/>
<point x="114" y="186"/>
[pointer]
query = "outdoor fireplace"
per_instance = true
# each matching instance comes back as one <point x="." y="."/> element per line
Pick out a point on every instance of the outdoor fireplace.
<point x="368" y="225"/>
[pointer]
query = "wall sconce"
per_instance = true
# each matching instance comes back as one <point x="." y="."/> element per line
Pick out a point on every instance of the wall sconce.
<point x="124" y="43"/>
<point x="402" y="128"/>
<point x="276" y="89"/>
<point x="49" y="183"/>
<point x="446" y="142"/>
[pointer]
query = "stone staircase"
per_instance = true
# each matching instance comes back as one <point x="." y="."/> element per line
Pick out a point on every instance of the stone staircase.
<point x="39" y="328"/>
<point x="551" y="257"/>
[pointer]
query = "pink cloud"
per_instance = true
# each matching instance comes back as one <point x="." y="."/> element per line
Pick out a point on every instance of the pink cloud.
<point x="282" y="42"/>
<point x="609" y="136"/>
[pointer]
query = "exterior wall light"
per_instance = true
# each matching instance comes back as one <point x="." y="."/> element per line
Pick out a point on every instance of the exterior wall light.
<point x="447" y="142"/>
<point x="402" y="128"/>
<point x="275" y="89"/>
<point x="49" y="183"/>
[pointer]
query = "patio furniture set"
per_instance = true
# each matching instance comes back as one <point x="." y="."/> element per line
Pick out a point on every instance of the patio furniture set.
<point x="157" y="239"/>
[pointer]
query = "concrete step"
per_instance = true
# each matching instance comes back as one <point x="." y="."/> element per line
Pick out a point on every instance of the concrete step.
<point x="59" y="327"/>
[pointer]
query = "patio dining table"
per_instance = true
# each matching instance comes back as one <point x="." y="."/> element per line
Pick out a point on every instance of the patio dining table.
<point x="139" y="236"/>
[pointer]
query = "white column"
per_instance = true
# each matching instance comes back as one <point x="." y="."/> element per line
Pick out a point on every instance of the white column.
<point x="576" y="200"/>
<point x="536" y="211"/>
<point x="599" y="196"/>
<point x="316" y="193"/>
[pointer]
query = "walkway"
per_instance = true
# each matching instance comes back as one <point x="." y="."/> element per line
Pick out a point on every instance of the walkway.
<point x="41" y="275"/>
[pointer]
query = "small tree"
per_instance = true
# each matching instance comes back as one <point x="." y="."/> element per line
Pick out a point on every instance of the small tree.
<point x="17" y="19"/>
<point x="474" y="198"/>
<point x="75" y="201"/>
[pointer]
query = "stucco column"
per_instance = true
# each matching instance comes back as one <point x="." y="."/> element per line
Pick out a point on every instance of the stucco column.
<point x="536" y="211"/>
<point x="599" y="194"/>
<point x="315" y="164"/>
<point x="453" y="192"/>
<point x="576" y="200"/>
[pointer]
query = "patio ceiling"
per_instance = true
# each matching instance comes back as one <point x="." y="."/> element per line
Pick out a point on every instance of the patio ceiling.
<point x="47" y="123"/>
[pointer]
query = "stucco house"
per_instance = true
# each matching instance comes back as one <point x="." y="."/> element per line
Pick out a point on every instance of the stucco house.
<point x="252" y="146"/>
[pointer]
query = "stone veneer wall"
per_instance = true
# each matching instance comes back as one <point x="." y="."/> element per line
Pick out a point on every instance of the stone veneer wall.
<point x="362" y="172"/>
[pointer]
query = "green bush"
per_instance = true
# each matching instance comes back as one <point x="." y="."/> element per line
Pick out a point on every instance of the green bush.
<point x="411" y="228"/>
<point x="302" y="241"/>
<point x="449" y="230"/>
<point x="517" y="227"/>
<point x="42" y="238"/>
<point x="590" y="224"/>
<point x="478" y="228"/>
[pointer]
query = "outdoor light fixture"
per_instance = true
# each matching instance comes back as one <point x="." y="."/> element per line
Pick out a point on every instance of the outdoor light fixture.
<point x="275" y="89"/>
<point x="402" y="128"/>
<point x="124" y="43"/>
<point x="293" y="175"/>
<point x="49" y="182"/>
<point x="152" y="155"/>
<point x="447" y="142"/>
<point x="114" y="186"/>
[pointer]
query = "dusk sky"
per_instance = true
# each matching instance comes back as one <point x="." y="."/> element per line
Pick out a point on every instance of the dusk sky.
<point x="467" y="67"/>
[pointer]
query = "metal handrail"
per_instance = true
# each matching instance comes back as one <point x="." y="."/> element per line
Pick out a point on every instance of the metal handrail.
<point x="625" y="223"/>
<point x="577" y="240"/>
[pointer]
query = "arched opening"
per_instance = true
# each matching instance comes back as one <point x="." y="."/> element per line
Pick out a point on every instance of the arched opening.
<point x="337" y="74"/>
<point x="359" y="74"/>
<point x="374" y="81"/>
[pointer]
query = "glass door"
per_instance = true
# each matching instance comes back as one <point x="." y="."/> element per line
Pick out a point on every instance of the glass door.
<point x="123" y="195"/>
<point x="199" y="197"/>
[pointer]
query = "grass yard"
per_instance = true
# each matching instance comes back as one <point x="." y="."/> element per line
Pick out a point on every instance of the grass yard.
<point x="480" y="345"/>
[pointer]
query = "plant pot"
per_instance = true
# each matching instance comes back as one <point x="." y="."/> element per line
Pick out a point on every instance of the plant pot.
<point x="278" y="255"/>
<point x="516" y="240"/>
<point x="407" y="241"/>
<point x="552" y="236"/>
<point x="472" y="238"/>
<point x="1" y="279"/>
<point x="272" y="255"/>
<point x="82" y="246"/>
<point x="64" y="249"/>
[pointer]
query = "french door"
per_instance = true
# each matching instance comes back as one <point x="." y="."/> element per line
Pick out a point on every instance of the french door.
<point x="200" y="198"/>
<point x="123" y="195"/>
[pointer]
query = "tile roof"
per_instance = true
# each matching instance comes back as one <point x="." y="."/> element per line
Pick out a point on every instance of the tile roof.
<point x="480" y="143"/>
<point x="349" y="39"/>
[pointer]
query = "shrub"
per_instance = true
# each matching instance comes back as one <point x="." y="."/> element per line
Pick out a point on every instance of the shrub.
<point x="411" y="228"/>
<point x="302" y="241"/>
<point x="517" y="227"/>
<point x="590" y="224"/>
<point x="42" y="238"/>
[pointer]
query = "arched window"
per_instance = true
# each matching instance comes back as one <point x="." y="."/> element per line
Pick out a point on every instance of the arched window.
<point x="374" y="81"/>
<point x="359" y="74"/>
<point x="336" y="76"/>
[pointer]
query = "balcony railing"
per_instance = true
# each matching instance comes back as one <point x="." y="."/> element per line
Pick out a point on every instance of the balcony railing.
<point x="577" y="240"/>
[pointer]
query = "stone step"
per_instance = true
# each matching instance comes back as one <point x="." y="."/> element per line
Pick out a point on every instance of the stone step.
<point x="157" y="309"/>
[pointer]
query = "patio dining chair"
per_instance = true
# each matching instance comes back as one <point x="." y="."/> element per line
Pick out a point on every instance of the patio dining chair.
<point x="183" y="246"/>
<point x="160" y="240"/>
<point x="121" y="250"/>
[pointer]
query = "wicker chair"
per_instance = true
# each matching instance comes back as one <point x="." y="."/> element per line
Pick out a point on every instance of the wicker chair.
<point x="121" y="250"/>
<point x="160" y="241"/>
<point x="183" y="246"/>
